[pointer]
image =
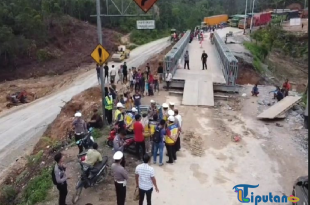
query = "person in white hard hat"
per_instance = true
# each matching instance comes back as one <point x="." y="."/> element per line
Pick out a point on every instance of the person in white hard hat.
<point x="118" y="116"/>
<point x="152" y="110"/>
<point x="171" y="106"/>
<point x="120" y="176"/>
<point x="80" y="129"/>
<point x="130" y="119"/>
<point x="171" y="137"/>
<point x="165" y="107"/>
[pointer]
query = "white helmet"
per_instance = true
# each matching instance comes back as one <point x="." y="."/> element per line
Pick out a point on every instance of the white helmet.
<point x="78" y="114"/>
<point x="119" y="105"/>
<point x="134" y="109"/>
<point x="170" y="112"/>
<point x="171" y="118"/>
<point x="171" y="103"/>
<point x="152" y="101"/>
<point x="165" y="105"/>
<point x="118" y="155"/>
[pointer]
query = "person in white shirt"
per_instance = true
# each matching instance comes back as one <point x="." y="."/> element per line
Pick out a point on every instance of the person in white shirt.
<point x="179" y="118"/>
<point x="168" y="79"/>
<point x="112" y="74"/>
<point x="145" y="180"/>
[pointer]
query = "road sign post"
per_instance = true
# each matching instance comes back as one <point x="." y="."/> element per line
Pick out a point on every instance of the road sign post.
<point x="145" y="24"/>
<point x="145" y="5"/>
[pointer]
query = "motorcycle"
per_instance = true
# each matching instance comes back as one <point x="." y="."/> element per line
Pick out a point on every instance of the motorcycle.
<point x="130" y="145"/>
<point x="90" y="176"/>
<point x="87" y="141"/>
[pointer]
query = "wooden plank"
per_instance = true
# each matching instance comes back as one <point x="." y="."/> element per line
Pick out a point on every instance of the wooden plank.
<point x="279" y="108"/>
<point x="206" y="95"/>
<point x="190" y="94"/>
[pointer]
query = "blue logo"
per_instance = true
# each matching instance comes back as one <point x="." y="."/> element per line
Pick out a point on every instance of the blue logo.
<point x="242" y="191"/>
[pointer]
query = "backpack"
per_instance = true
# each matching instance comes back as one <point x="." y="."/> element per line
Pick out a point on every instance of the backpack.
<point x="156" y="135"/>
<point x="54" y="176"/>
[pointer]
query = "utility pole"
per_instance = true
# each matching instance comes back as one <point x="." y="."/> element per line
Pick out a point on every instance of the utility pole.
<point x="253" y="4"/>
<point x="102" y="79"/>
<point x="245" y="15"/>
<point x="305" y="4"/>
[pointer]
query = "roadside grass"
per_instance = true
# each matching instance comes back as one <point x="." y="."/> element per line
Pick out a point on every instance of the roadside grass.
<point x="37" y="188"/>
<point x="141" y="37"/>
<point x="259" y="53"/>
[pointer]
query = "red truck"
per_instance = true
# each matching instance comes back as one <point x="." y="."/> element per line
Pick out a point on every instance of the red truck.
<point x="261" y="19"/>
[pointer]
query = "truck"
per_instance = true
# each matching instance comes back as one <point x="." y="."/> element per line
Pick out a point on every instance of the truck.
<point x="215" y="20"/>
<point x="234" y="22"/>
<point x="241" y="23"/>
<point x="261" y="18"/>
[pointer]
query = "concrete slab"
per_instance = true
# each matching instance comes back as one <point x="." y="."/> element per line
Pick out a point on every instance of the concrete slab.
<point x="279" y="108"/>
<point x="214" y="72"/>
<point x="206" y="95"/>
<point x="190" y="94"/>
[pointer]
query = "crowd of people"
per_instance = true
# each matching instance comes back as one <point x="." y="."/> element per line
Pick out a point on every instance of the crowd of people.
<point x="145" y="81"/>
<point x="153" y="131"/>
<point x="278" y="93"/>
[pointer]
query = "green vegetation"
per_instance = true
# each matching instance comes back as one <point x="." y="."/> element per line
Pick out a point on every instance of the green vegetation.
<point x="8" y="193"/>
<point x="96" y="133"/>
<point x="274" y="38"/>
<point x="34" y="160"/>
<point x="28" y="26"/>
<point x="143" y="37"/>
<point x="37" y="188"/>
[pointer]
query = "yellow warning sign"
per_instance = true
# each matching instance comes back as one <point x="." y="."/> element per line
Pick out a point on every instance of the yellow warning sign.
<point x="100" y="54"/>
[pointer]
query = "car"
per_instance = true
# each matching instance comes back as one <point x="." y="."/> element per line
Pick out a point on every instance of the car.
<point x="300" y="190"/>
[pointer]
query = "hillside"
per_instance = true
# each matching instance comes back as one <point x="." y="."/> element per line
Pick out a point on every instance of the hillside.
<point x="49" y="37"/>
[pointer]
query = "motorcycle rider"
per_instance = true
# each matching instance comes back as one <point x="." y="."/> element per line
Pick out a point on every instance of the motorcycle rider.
<point x="130" y="119"/>
<point x="80" y="129"/>
<point x="118" y="116"/>
<point x="93" y="158"/>
<point x="119" y="144"/>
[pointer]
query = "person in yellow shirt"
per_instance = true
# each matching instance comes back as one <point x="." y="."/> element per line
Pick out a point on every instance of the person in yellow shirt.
<point x="171" y="137"/>
<point x="146" y="132"/>
<point x="93" y="156"/>
<point x="130" y="119"/>
<point x="118" y="116"/>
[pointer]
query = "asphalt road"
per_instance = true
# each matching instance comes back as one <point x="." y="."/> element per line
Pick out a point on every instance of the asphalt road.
<point x="23" y="126"/>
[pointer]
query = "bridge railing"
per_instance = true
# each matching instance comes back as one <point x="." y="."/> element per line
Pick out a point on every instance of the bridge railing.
<point x="172" y="58"/>
<point x="229" y="61"/>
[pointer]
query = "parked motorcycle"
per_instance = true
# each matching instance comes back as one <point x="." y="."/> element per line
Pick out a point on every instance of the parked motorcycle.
<point x="90" y="176"/>
<point x="130" y="145"/>
<point x="87" y="141"/>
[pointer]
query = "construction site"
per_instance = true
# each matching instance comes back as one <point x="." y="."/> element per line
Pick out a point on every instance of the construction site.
<point x="235" y="130"/>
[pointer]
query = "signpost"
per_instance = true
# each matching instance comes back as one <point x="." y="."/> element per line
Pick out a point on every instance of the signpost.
<point x="145" y="5"/>
<point x="100" y="55"/>
<point x="146" y="24"/>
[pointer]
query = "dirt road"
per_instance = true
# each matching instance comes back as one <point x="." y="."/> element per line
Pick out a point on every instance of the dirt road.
<point x="21" y="128"/>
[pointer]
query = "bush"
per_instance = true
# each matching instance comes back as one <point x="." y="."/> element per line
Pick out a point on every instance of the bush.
<point x="37" y="188"/>
<point x="8" y="194"/>
<point x="44" y="55"/>
<point x="141" y="37"/>
<point x="96" y="133"/>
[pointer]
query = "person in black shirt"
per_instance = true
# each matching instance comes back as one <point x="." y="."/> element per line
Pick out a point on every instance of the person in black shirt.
<point x="98" y="72"/>
<point x="125" y="72"/>
<point x="106" y="71"/>
<point x="204" y="58"/>
<point x="148" y="68"/>
<point x="95" y="121"/>
<point x="160" y="71"/>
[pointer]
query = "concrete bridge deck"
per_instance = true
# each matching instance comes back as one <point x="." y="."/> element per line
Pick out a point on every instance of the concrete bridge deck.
<point x="198" y="89"/>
